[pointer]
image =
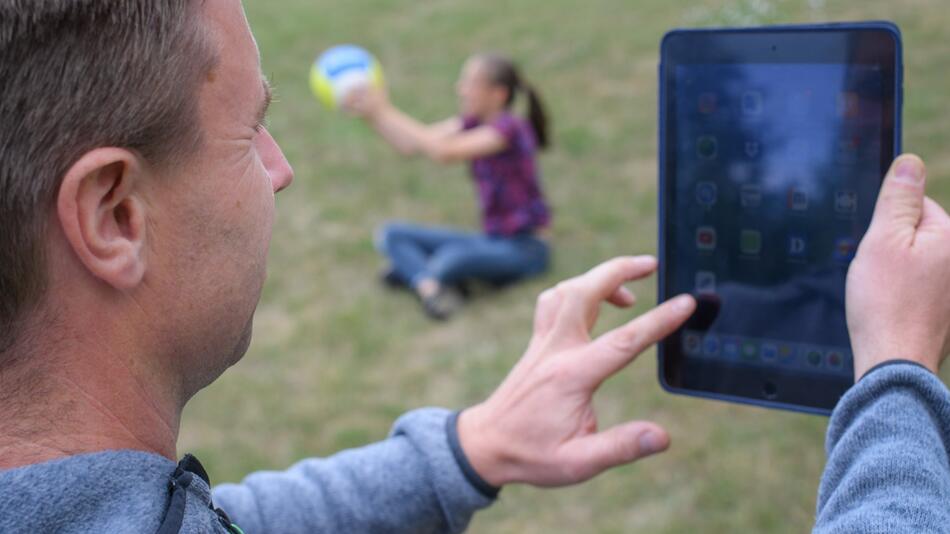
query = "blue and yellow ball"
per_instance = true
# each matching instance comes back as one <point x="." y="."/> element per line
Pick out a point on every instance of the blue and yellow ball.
<point x="339" y="70"/>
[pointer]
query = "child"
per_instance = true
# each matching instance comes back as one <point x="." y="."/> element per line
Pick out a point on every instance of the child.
<point x="501" y="149"/>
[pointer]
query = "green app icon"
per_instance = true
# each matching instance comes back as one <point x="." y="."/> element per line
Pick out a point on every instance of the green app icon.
<point x="707" y="147"/>
<point x="750" y="242"/>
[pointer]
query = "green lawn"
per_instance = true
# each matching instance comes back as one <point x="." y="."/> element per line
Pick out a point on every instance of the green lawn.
<point x="335" y="359"/>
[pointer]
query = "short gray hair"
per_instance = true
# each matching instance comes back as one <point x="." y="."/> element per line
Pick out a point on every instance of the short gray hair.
<point x="76" y="75"/>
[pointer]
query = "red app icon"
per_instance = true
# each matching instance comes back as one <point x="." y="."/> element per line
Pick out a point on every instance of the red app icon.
<point x="706" y="238"/>
<point x="835" y="359"/>
<point x="845" y="249"/>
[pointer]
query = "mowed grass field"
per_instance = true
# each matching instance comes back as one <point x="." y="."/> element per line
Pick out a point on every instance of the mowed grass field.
<point x="335" y="359"/>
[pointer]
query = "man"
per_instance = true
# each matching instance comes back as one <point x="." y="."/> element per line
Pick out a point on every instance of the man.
<point x="136" y="200"/>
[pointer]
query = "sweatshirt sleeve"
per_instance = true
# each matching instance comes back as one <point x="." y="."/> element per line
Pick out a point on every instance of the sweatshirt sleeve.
<point x="411" y="482"/>
<point x="887" y="445"/>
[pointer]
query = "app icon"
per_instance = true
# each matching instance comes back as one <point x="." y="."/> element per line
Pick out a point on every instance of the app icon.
<point x="750" y="351"/>
<point x="707" y="147"/>
<point x="705" y="282"/>
<point x="750" y="242"/>
<point x="692" y="343"/>
<point x="706" y="238"/>
<point x="750" y="196"/>
<point x="752" y="103"/>
<point x="711" y="345"/>
<point x="797" y="247"/>
<point x="706" y="193"/>
<point x="845" y="249"/>
<point x="846" y="202"/>
<point x="849" y="105"/>
<point x="708" y="103"/>
<point x="814" y="357"/>
<point x="786" y="353"/>
<point x="730" y="348"/>
<point x="835" y="359"/>
<point x="769" y="352"/>
<point x="752" y="149"/>
<point x="797" y="199"/>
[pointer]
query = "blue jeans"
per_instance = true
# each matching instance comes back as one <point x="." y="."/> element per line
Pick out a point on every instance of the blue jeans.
<point x="450" y="256"/>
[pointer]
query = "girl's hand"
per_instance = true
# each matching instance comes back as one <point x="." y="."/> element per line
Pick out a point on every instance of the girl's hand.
<point x="365" y="101"/>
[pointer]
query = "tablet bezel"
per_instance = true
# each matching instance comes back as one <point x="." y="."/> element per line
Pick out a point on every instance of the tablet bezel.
<point x="879" y="44"/>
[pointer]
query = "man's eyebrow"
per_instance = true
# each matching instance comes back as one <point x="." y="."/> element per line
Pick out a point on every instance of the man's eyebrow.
<point x="265" y="103"/>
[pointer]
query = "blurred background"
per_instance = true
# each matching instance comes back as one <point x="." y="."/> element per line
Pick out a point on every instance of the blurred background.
<point x="336" y="358"/>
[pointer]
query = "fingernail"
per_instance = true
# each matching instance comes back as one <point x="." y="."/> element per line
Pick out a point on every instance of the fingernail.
<point x="650" y="442"/>
<point x="646" y="258"/>
<point x="682" y="303"/>
<point x="909" y="171"/>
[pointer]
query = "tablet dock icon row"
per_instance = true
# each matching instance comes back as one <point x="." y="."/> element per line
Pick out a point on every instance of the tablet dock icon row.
<point x="765" y="352"/>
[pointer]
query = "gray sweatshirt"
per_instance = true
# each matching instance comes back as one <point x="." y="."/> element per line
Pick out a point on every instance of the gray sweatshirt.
<point x="887" y="471"/>
<point x="411" y="482"/>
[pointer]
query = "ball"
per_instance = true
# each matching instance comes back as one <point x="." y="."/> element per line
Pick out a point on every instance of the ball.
<point x="340" y="69"/>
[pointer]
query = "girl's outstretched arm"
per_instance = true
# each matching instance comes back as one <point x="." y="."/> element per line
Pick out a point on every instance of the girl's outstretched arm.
<point x="444" y="141"/>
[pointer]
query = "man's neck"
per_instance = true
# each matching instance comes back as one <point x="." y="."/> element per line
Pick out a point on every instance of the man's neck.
<point x="58" y="409"/>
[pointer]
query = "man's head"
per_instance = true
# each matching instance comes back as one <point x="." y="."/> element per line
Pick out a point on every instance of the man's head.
<point x="136" y="182"/>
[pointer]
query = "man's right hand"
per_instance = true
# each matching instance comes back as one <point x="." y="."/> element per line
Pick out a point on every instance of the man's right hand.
<point x="540" y="427"/>
<point x="898" y="289"/>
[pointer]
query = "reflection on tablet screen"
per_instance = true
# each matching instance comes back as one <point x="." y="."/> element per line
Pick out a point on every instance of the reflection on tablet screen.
<point x="773" y="167"/>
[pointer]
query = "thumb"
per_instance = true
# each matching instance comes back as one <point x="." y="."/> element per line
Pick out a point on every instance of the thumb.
<point x="618" y="445"/>
<point x="901" y="201"/>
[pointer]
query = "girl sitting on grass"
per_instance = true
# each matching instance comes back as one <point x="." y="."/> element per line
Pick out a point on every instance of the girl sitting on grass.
<point x="501" y="150"/>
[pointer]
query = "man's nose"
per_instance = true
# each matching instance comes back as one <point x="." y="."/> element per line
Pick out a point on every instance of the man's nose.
<point x="283" y="176"/>
<point x="277" y="166"/>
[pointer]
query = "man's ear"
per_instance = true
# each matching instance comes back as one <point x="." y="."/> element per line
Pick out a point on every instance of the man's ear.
<point x="102" y="214"/>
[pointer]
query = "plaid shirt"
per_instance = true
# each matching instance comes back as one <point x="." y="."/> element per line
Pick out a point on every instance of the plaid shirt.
<point x="508" y="184"/>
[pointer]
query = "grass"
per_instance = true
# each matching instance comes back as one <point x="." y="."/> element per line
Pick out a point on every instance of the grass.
<point x="335" y="360"/>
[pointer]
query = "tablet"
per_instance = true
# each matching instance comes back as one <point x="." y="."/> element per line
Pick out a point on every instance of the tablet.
<point x="773" y="145"/>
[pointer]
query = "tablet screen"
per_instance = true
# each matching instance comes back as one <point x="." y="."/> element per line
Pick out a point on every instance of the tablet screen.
<point x="772" y="172"/>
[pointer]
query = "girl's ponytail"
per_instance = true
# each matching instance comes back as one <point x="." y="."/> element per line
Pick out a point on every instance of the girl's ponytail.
<point x="502" y="71"/>
<point x="537" y="115"/>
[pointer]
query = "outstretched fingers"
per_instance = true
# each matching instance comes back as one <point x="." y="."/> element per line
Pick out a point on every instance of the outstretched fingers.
<point x="581" y="296"/>
<point x="614" y="350"/>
